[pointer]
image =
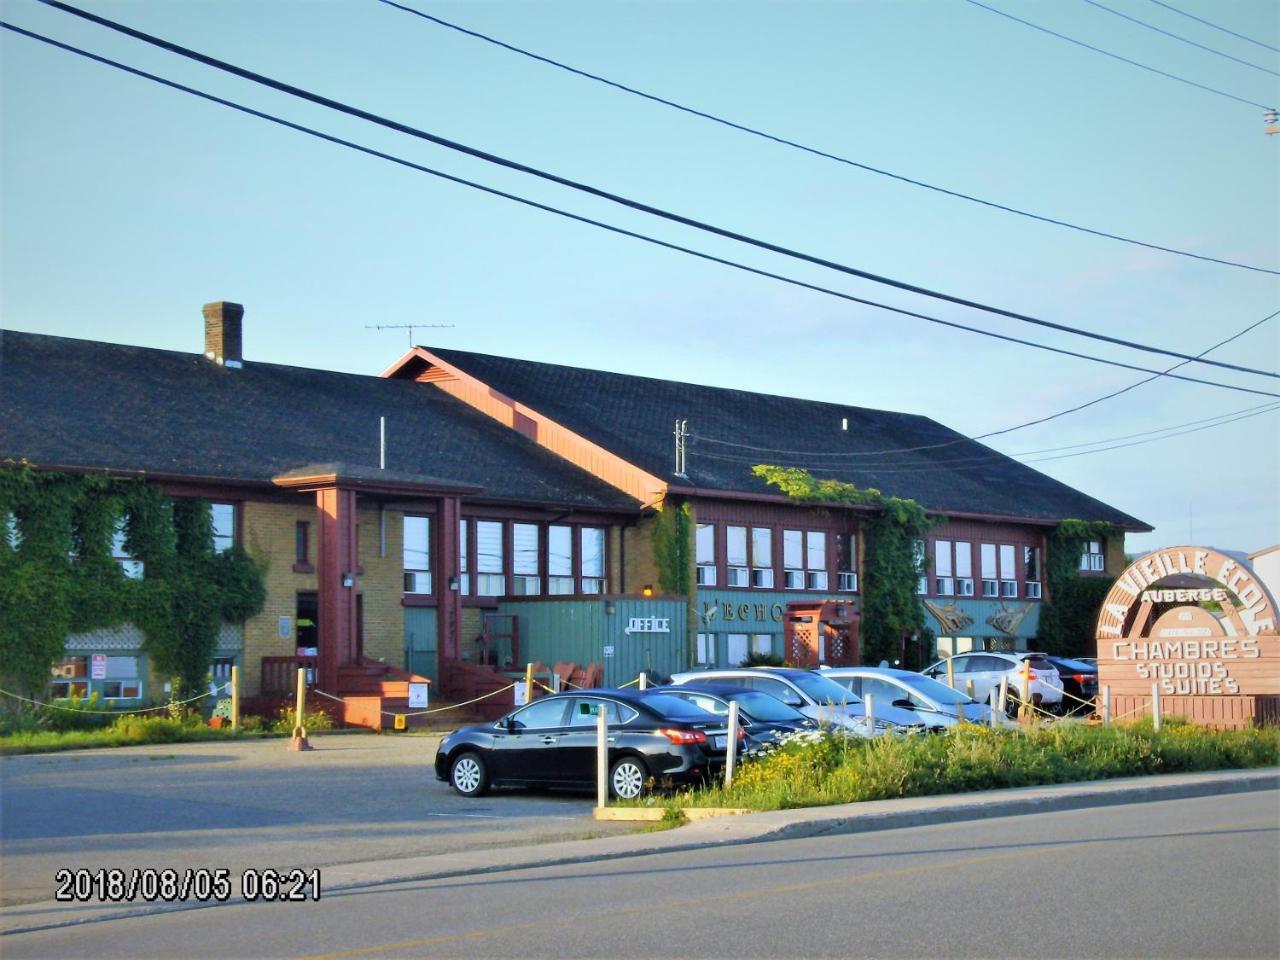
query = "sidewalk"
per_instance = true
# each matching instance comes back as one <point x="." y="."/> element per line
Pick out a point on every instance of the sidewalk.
<point x="749" y="828"/>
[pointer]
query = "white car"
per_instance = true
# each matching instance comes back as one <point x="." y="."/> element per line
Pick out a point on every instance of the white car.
<point x="987" y="667"/>
<point x="812" y="694"/>
<point x="936" y="704"/>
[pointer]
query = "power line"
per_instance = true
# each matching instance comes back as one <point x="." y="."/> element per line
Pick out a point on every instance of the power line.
<point x="1116" y="56"/>
<point x="1140" y="433"/>
<point x="1207" y="23"/>
<point x="616" y="198"/>
<point x="1175" y="36"/>
<point x="993" y="433"/>
<point x="815" y="151"/>
<point x="607" y="226"/>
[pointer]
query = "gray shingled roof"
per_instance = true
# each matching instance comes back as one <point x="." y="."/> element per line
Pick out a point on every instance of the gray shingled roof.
<point x="633" y="417"/>
<point x="85" y="404"/>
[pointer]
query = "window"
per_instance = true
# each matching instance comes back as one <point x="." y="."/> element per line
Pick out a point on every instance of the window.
<point x="762" y="557"/>
<point x="559" y="560"/>
<point x="706" y="649"/>
<point x="615" y="713"/>
<point x="1093" y="558"/>
<point x="964" y="568"/>
<point x="990" y="577"/>
<point x="133" y="569"/>
<point x="737" y="649"/>
<point x="11" y="533"/>
<point x="793" y="559"/>
<point x="464" y="584"/>
<point x="736" y="556"/>
<point x="705" y="550"/>
<point x="1031" y="571"/>
<point x="815" y="560"/>
<point x="301" y="543"/>
<point x="417" y="554"/>
<point x="592" y="559"/>
<point x="526" y="579"/>
<point x="540" y="714"/>
<point x="220" y="668"/>
<point x="846" y="562"/>
<point x="224" y="526"/>
<point x="122" y="679"/>
<point x="1008" y="571"/>
<point x="762" y="643"/>
<point x="70" y="677"/>
<point x="918" y="556"/>
<point x="943" y="582"/>
<point x="490" y="572"/>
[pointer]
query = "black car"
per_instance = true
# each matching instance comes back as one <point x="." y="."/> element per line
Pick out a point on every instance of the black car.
<point x="765" y="719"/>
<point x="1079" y="682"/>
<point x="653" y="739"/>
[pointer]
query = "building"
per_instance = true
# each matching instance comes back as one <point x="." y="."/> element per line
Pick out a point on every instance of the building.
<point x="462" y="513"/>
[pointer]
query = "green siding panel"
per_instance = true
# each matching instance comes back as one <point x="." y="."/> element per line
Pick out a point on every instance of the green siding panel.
<point x="420" y="637"/>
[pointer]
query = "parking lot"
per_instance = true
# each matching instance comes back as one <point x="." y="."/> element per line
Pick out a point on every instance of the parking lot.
<point x="253" y="803"/>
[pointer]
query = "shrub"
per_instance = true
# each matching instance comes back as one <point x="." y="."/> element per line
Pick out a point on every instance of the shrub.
<point x="76" y="713"/>
<point x="757" y="659"/>
<point x="312" y="720"/>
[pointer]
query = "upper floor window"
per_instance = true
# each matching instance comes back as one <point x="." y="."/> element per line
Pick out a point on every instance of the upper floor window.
<point x="132" y="567"/>
<point x="559" y="560"/>
<point x="224" y="526"/>
<point x="1093" y="558"/>
<point x="793" y="559"/>
<point x="846" y="562"/>
<point x="417" y="554"/>
<point x="815" y="560"/>
<point x="762" y="557"/>
<point x="737" y="574"/>
<point x="990" y="574"/>
<point x="464" y="569"/>
<point x="302" y="542"/>
<point x="1008" y="571"/>
<point x="964" y="568"/>
<point x="944" y="581"/>
<point x="526" y="579"/>
<point x="1031" y="570"/>
<point x="491" y="580"/>
<point x="705" y="554"/>
<point x="918" y="556"/>
<point x="591" y="542"/>
<point x="12" y="535"/>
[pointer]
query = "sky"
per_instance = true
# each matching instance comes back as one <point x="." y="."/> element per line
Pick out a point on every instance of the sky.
<point x="125" y="206"/>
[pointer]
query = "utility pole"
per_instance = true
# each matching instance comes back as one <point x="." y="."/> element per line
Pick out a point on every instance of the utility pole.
<point x="682" y="436"/>
<point x="1272" y="121"/>
<point x="408" y="326"/>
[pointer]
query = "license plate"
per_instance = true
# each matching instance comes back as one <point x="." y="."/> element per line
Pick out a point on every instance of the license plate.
<point x="718" y="743"/>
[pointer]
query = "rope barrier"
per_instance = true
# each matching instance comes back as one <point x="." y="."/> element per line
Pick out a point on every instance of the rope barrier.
<point x="423" y="713"/>
<point x="116" y="713"/>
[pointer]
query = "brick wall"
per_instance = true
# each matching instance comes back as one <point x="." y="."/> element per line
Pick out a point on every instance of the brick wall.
<point x="642" y="564"/>
<point x="382" y="586"/>
<point x="1114" y="548"/>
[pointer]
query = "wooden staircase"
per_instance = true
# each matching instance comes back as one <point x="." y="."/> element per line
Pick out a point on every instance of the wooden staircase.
<point x="371" y="689"/>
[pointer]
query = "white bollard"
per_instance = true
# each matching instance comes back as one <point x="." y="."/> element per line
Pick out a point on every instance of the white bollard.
<point x="602" y="758"/>
<point x="871" y="714"/>
<point x="1155" y="707"/>
<point x="1004" y="695"/>
<point x="731" y="748"/>
<point x="644" y="680"/>
<point x="993" y="702"/>
<point x="1106" y="706"/>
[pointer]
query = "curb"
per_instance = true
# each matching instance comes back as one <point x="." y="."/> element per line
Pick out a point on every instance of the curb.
<point x="728" y="831"/>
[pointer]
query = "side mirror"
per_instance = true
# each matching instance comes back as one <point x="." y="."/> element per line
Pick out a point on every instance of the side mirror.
<point x="512" y="724"/>
<point x="904" y="704"/>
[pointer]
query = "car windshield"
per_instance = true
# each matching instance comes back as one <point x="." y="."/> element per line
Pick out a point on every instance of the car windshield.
<point x="822" y="689"/>
<point x="762" y="706"/>
<point x="934" y="689"/>
<point x="675" y="708"/>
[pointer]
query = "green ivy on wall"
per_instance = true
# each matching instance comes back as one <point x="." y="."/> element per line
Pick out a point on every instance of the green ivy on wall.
<point x="59" y="575"/>
<point x="891" y="608"/>
<point x="672" y="535"/>
<point x="1067" y="616"/>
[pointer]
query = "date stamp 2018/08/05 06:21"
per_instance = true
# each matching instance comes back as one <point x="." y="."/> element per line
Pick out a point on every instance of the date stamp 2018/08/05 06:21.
<point x="150" y="885"/>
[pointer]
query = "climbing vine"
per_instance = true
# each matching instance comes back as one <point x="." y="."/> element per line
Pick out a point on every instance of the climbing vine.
<point x="672" y="529"/>
<point x="893" y="564"/>
<point x="60" y="577"/>
<point x="1068" y="614"/>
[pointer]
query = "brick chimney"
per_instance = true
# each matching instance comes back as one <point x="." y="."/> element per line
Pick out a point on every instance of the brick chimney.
<point x="222" y="333"/>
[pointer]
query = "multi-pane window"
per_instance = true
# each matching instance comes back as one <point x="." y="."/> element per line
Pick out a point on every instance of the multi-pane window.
<point x="1092" y="558"/>
<point x="964" y="568"/>
<point x="918" y="557"/>
<point x="706" y="649"/>
<point x="559" y="560"/>
<point x="417" y="554"/>
<point x="944" y="582"/>
<point x="736" y="557"/>
<point x="526" y="579"/>
<point x="224" y="526"/>
<point x="762" y="644"/>
<point x="591" y="551"/>
<point x="132" y="567"/>
<point x="122" y="679"/>
<point x="793" y="559"/>
<point x="491" y="578"/>
<point x="705" y="554"/>
<point x="1031" y="571"/>
<point x="464" y="569"/>
<point x="70" y="677"/>
<point x="815" y="560"/>
<point x="1008" y="571"/>
<point x="990" y="575"/>
<point x="738" y="648"/>
<point x="762" y="557"/>
<point x="846" y="562"/>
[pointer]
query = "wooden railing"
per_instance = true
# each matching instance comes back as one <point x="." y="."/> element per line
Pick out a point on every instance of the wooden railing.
<point x="280" y="674"/>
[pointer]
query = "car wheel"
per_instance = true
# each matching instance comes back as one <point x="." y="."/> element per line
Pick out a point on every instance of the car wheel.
<point x="627" y="779"/>
<point x="469" y="775"/>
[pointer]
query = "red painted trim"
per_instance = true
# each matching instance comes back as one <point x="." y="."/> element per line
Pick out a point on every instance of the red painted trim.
<point x="418" y="600"/>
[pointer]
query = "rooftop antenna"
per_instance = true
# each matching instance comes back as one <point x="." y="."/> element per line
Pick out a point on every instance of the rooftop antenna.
<point x="682" y="436"/>
<point x="409" y="326"/>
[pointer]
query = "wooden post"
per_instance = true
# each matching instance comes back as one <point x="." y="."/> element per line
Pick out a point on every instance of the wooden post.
<point x="1155" y="707"/>
<point x="528" y="683"/>
<point x="299" y="739"/>
<point x="951" y="673"/>
<point x="1106" y="706"/>
<point x="235" y="697"/>
<point x="731" y="748"/>
<point x="602" y="758"/>
<point x="1025" y="710"/>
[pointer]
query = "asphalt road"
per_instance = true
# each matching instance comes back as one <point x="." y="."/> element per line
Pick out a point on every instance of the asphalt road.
<point x="254" y="804"/>
<point x="1176" y="878"/>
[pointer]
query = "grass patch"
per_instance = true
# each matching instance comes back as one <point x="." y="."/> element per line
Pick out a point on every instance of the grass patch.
<point x="124" y="731"/>
<point x="845" y="770"/>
